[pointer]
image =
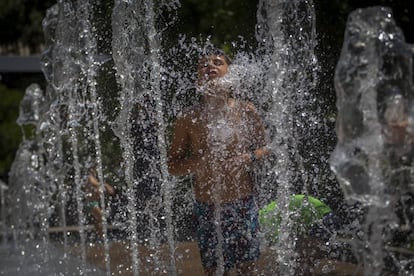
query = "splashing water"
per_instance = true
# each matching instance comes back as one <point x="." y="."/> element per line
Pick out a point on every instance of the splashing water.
<point x="291" y="64"/>
<point x="373" y="157"/>
<point x="111" y="104"/>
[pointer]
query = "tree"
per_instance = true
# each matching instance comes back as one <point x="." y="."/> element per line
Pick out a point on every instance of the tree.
<point x="21" y="25"/>
<point x="9" y="131"/>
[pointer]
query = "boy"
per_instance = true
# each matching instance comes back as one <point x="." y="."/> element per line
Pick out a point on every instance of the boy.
<point x="218" y="142"/>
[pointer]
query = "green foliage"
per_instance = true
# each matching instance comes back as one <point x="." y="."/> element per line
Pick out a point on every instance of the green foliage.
<point x="10" y="132"/>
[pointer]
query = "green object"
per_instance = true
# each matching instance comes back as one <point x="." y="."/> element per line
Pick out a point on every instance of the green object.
<point x="92" y="204"/>
<point x="304" y="211"/>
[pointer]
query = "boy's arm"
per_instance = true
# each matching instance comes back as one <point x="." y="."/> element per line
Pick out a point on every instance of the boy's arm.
<point x="260" y="149"/>
<point x="96" y="185"/>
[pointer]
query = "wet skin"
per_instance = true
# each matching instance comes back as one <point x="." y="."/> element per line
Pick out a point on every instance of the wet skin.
<point x="215" y="141"/>
<point x="218" y="142"/>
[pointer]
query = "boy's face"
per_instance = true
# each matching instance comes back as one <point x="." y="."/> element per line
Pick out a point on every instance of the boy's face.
<point x="211" y="67"/>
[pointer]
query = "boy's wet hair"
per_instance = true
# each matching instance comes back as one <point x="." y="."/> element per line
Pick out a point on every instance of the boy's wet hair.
<point x="209" y="51"/>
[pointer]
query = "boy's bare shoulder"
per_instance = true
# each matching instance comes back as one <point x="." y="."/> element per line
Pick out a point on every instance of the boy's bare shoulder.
<point x="248" y="106"/>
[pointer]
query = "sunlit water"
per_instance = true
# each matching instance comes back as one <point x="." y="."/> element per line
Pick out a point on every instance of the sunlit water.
<point x="112" y="105"/>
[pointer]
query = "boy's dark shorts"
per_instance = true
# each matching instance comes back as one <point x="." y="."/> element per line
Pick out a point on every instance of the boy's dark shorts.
<point x="239" y="227"/>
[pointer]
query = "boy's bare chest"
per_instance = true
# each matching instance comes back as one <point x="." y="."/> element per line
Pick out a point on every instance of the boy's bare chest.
<point x="228" y="134"/>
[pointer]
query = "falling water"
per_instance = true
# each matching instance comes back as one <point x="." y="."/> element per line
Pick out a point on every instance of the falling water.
<point x="286" y="33"/>
<point x="373" y="157"/>
<point x="29" y="181"/>
<point x="137" y="56"/>
<point x="279" y="77"/>
<point x="71" y="80"/>
<point x="122" y="127"/>
<point x="64" y="126"/>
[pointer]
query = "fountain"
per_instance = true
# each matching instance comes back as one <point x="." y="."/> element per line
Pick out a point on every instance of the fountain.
<point x="110" y="103"/>
<point x="373" y="156"/>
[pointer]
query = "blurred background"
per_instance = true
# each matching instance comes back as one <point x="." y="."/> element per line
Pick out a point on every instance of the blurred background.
<point x="22" y="42"/>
